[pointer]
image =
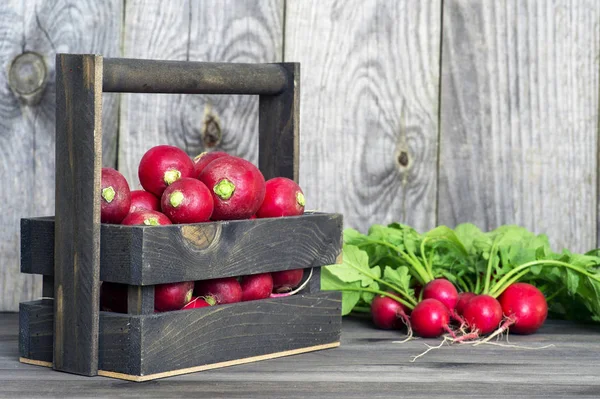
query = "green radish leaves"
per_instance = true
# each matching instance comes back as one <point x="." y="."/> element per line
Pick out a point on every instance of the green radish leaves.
<point x="397" y="259"/>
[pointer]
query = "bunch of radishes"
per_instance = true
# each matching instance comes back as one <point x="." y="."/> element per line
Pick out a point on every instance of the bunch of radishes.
<point x="202" y="293"/>
<point x="213" y="186"/>
<point x="522" y="307"/>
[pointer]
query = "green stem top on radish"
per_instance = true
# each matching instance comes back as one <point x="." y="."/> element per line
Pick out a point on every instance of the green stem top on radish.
<point x="224" y="189"/>
<point x="108" y="194"/>
<point x="176" y="198"/>
<point x="300" y="199"/>
<point x="171" y="176"/>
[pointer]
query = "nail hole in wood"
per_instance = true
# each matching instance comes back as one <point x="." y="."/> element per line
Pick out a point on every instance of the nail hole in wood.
<point x="403" y="159"/>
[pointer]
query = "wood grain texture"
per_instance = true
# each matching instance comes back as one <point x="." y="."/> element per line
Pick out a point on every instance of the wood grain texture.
<point x="369" y="106"/>
<point x="142" y="255"/>
<point x="227" y="31"/>
<point x="27" y="131"/>
<point x="159" y="343"/>
<point x="367" y="364"/>
<point x="77" y="210"/>
<point x="279" y="130"/>
<point x="519" y="117"/>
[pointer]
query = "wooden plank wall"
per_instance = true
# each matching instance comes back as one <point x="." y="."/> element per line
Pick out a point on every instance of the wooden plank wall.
<point x="429" y="112"/>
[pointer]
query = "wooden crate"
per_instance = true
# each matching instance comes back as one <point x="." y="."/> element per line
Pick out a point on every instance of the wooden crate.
<point x="75" y="252"/>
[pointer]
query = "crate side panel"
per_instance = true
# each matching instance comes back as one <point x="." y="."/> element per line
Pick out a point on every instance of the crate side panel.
<point x="119" y="342"/>
<point x="37" y="245"/>
<point x="239" y="248"/>
<point x="189" y="338"/>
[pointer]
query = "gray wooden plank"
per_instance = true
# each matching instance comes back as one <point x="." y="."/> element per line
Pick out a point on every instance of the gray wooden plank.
<point x="232" y="31"/>
<point x="366" y="364"/>
<point x="369" y="107"/>
<point x="27" y="139"/>
<point x="77" y="227"/>
<point x="519" y="117"/>
<point x="146" y="255"/>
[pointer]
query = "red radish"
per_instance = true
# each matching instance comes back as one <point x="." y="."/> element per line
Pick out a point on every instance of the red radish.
<point x="142" y="199"/>
<point x="172" y="296"/>
<point x="283" y="197"/>
<point x="525" y="307"/>
<point x="463" y="298"/>
<point x="286" y="280"/>
<point x="442" y="290"/>
<point x="113" y="297"/>
<point x="430" y="318"/>
<point x="388" y="313"/>
<point x="483" y="314"/>
<point x="187" y="200"/>
<point x="116" y="196"/>
<point x="161" y="166"/>
<point x="256" y="286"/>
<point x="196" y="303"/>
<point x="146" y="217"/>
<point x="222" y="290"/>
<point x="203" y="159"/>
<point x="237" y="186"/>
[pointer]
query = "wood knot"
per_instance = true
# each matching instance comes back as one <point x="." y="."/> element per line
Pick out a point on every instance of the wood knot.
<point x="211" y="131"/>
<point x="27" y="77"/>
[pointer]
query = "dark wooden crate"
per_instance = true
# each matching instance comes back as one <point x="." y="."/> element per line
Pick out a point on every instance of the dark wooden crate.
<point x="75" y="252"/>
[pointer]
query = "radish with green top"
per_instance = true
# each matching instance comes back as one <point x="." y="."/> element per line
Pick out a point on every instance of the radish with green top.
<point x="116" y="196"/>
<point x="187" y="200"/>
<point x="220" y="290"/>
<point x="237" y="187"/>
<point x="286" y="280"/>
<point x="203" y="159"/>
<point x="483" y="314"/>
<point x="430" y="319"/>
<point x="172" y="296"/>
<point x="283" y="197"/>
<point x="388" y="314"/>
<point x="256" y="286"/>
<point x="163" y="165"/>
<point x="142" y="199"/>
<point x="147" y="218"/>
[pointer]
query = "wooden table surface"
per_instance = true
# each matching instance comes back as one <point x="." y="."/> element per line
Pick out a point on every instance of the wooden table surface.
<point x="367" y="365"/>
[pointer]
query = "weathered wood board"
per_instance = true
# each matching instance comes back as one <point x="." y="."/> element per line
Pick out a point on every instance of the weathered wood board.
<point x="145" y="255"/>
<point x="228" y="31"/>
<point x="369" y="106"/>
<point x="519" y="117"/>
<point x="27" y="129"/>
<point x="158" y="345"/>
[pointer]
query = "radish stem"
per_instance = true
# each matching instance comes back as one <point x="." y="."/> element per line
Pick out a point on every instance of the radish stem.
<point x="372" y="291"/>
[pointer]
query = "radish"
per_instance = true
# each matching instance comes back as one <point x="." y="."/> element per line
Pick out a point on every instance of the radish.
<point x="187" y="200"/>
<point x="525" y="307"/>
<point x="483" y="314"/>
<point x="463" y="298"/>
<point x="221" y="290"/>
<point x="388" y="313"/>
<point x="203" y="159"/>
<point x="146" y="217"/>
<point x="286" y="280"/>
<point x="430" y="318"/>
<point x="196" y="303"/>
<point x="256" y="286"/>
<point x="113" y="297"/>
<point x="442" y="290"/>
<point x="283" y="197"/>
<point x="172" y="296"/>
<point x="237" y="187"/>
<point x="142" y="199"/>
<point x="116" y="196"/>
<point x="161" y="166"/>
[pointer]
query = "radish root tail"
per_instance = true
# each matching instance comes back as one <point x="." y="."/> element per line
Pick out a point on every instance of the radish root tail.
<point x="430" y="348"/>
<point x="503" y="327"/>
<point x="300" y="288"/>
